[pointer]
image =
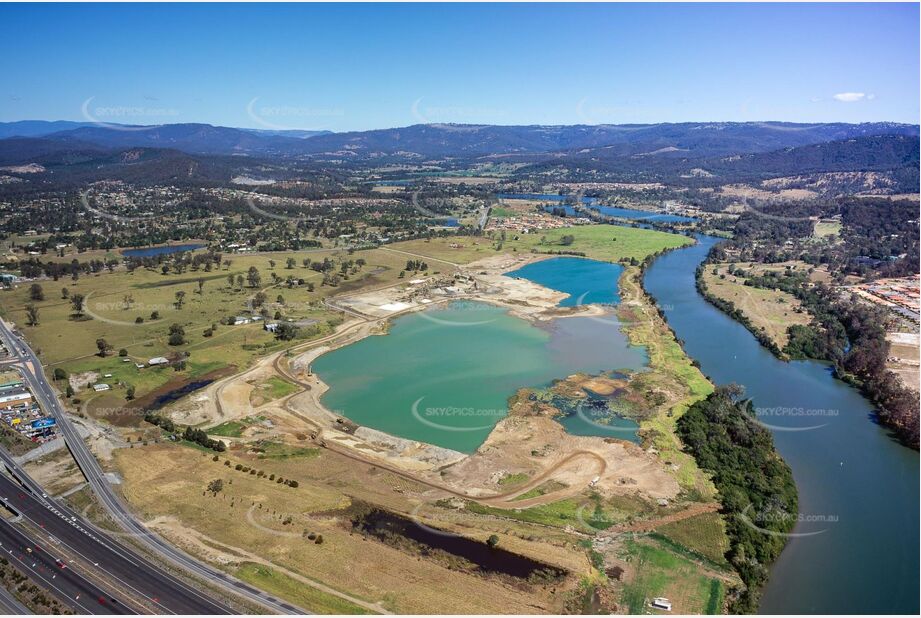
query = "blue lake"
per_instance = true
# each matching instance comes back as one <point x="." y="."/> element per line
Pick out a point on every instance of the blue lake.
<point x="586" y="281"/>
<point x="468" y="358"/>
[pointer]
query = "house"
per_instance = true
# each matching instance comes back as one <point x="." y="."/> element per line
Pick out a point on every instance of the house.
<point x="271" y="326"/>
<point x="158" y="360"/>
<point x="101" y="387"/>
<point x="241" y="319"/>
<point x="140" y="365"/>
<point x="662" y="603"/>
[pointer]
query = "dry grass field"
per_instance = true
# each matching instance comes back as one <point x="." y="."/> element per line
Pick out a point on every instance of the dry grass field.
<point x="772" y="310"/>
<point x="254" y="514"/>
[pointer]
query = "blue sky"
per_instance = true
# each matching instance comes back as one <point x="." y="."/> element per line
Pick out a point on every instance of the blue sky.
<point x="360" y="67"/>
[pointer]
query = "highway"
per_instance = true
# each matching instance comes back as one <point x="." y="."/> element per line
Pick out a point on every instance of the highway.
<point x="129" y="574"/>
<point x="172" y="594"/>
<point x="41" y="566"/>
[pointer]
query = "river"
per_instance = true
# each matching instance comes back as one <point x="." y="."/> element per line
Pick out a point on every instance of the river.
<point x="856" y="546"/>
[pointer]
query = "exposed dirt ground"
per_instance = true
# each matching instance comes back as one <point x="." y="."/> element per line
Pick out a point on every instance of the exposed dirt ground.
<point x="904" y="358"/>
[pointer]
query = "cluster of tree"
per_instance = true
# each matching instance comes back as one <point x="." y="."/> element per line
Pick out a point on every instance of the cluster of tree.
<point x="851" y="335"/>
<point x="198" y="436"/>
<point x="262" y="474"/>
<point x="177" y="262"/>
<point x="729" y="308"/>
<point x="34" y="268"/>
<point x="756" y="486"/>
<point x="416" y="265"/>
<point x="190" y="434"/>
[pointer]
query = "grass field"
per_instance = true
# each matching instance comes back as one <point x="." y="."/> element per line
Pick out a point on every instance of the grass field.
<point x="230" y="429"/>
<point x="118" y="299"/>
<point x="827" y="229"/>
<point x="600" y="242"/>
<point x="771" y="310"/>
<point x="587" y="513"/>
<point x="250" y="513"/>
<point x="276" y="388"/>
<point x="502" y="213"/>
<point x="704" y="534"/>
<point x="274" y="582"/>
<point x="662" y="573"/>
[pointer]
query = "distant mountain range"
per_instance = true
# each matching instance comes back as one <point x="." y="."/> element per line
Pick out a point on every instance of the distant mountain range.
<point x="871" y="153"/>
<point x="688" y="153"/>
<point x="682" y="140"/>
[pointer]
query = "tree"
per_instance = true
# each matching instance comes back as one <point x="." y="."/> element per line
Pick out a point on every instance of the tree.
<point x="180" y="298"/>
<point x="32" y="314"/>
<point x="76" y="301"/>
<point x="290" y="262"/>
<point x="154" y="315"/>
<point x="271" y="264"/>
<point x="59" y="374"/>
<point x="65" y="293"/>
<point x="201" y="285"/>
<point x="230" y="280"/>
<point x="123" y="352"/>
<point x="252" y="277"/>
<point x="176" y="334"/>
<point x="216" y="486"/>
<point x="103" y="346"/>
<point x="286" y="331"/>
<point x="493" y="540"/>
<point x="129" y="392"/>
<point x="36" y="292"/>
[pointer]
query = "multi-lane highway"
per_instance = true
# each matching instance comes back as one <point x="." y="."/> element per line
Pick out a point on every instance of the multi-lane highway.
<point x="105" y="560"/>
<point x="46" y="569"/>
<point x="172" y="593"/>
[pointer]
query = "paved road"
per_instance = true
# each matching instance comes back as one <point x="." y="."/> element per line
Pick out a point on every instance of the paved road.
<point x="125" y="572"/>
<point x="42" y="568"/>
<point x="117" y="511"/>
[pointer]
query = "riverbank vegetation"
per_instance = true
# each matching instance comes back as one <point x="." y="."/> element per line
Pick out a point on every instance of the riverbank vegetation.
<point x="843" y="331"/>
<point x="877" y="238"/>
<point x="767" y="313"/>
<point x="756" y="486"/>
<point x="669" y="371"/>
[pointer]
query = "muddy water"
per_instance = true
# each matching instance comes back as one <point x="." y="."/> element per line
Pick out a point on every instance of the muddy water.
<point x="390" y="527"/>
<point x="856" y="549"/>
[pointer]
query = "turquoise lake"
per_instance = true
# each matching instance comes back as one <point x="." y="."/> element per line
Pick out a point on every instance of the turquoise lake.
<point x="586" y="281"/>
<point x="445" y="375"/>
